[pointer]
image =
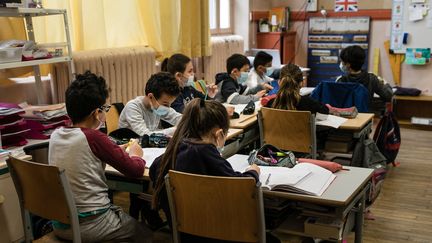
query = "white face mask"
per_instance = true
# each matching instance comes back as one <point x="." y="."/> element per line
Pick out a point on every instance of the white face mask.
<point x="101" y="124"/>
<point x="220" y="144"/>
<point x="243" y="77"/>
<point x="343" y="68"/>
<point x="269" y="71"/>
<point x="190" y="80"/>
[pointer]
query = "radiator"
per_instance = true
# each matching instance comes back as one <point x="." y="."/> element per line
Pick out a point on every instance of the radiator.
<point x="126" y="71"/>
<point x="222" y="48"/>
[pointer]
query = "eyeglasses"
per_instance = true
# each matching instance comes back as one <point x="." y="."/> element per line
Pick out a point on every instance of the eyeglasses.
<point x="105" y="108"/>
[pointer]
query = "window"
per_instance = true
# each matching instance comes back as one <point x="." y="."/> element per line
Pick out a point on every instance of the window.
<point x="221" y="16"/>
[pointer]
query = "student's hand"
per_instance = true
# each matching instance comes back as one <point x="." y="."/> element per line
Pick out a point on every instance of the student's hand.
<point x="261" y="93"/>
<point x="212" y="90"/>
<point x="124" y="146"/>
<point x="135" y="149"/>
<point x="255" y="168"/>
<point x="266" y="86"/>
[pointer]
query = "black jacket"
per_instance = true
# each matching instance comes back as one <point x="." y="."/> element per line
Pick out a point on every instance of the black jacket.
<point x="186" y="95"/>
<point x="306" y="103"/>
<point x="232" y="92"/>
<point x="197" y="158"/>
<point x="373" y="84"/>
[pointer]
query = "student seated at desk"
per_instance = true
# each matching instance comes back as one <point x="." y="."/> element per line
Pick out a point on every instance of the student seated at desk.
<point x="194" y="148"/>
<point x="181" y="67"/>
<point x="353" y="58"/>
<point x="144" y="113"/>
<point x="82" y="151"/>
<point x="262" y="69"/>
<point x="288" y="97"/>
<point x="231" y="85"/>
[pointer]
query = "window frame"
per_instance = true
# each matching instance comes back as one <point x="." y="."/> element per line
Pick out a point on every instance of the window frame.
<point x="218" y="30"/>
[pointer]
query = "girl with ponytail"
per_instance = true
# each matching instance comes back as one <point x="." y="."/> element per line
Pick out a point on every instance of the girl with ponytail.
<point x="288" y="97"/>
<point x="194" y="148"/>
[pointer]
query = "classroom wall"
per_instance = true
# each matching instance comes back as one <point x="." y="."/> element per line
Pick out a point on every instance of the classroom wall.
<point x="411" y="75"/>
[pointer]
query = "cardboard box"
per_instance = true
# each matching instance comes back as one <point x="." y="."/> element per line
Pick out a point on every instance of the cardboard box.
<point x="325" y="228"/>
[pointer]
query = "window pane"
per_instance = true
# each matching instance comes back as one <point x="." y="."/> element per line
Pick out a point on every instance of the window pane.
<point x="212" y="14"/>
<point x="224" y="14"/>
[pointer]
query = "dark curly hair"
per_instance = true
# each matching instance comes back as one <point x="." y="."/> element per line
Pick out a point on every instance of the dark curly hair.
<point x="162" y="83"/>
<point x="85" y="94"/>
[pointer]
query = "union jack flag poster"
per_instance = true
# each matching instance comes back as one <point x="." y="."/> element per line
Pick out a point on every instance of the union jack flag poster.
<point x="346" y="6"/>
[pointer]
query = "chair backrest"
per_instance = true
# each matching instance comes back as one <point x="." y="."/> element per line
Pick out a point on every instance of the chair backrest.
<point x="288" y="130"/>
<point x="112" y="117"/>
<point x="38" y="152"/>
<point x="227" y="208"/>
<point x="43" y="190"/>
<point x="342" y="95"/>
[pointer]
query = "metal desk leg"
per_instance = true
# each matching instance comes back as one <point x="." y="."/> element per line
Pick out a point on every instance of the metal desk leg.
<point x="359" y="219"/>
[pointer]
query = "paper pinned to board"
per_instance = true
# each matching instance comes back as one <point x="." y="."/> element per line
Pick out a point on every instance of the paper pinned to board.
<point x="329" y="120"/>
<point x="415" y="12"/>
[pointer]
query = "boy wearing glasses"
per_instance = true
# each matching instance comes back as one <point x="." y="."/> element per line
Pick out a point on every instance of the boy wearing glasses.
<point x="83" y="152"/>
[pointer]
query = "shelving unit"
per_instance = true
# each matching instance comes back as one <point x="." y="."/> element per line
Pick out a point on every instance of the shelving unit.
<point x="28" y="14"/>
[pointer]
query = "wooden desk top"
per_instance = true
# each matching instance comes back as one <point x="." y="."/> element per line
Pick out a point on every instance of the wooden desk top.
<point x="340" y="192"/>
<point x="234" y="132"/>
<point x="414" y="98"/>
<point x="244" y="121"/>
<point x="357" y="123"/>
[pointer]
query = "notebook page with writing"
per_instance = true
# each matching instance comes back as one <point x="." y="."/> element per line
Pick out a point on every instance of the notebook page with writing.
<point x="316" y="182"/>
<point x="272" y="177"/>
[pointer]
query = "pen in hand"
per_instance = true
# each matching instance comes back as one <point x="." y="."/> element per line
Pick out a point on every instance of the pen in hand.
<point x="268" y="179"/>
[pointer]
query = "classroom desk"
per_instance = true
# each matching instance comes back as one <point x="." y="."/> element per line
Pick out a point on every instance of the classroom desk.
<point x="345" y="194"/>
<point x="344" y="138"/>
<point x="118" y="182"/>
<point x="244" y="121"/>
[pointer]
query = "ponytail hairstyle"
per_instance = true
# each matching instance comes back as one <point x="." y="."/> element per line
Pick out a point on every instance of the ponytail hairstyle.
<point x="175" y="64"/>
<point x="199" y="117"/>
<point x="288" y="95"/>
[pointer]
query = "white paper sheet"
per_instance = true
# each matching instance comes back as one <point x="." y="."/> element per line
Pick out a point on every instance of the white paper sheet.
<point x="415" y="12"/>
<point x="329" y="120"/>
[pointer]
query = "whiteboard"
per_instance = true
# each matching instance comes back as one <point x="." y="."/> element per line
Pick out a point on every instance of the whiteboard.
<point x="419" y="32"/>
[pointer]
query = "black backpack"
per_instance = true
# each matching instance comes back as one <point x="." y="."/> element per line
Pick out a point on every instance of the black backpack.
<point x="387" y="137"/>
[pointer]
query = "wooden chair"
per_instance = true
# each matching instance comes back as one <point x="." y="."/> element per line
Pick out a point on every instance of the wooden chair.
<point x="43" y="190"/>
<point x="38" y="152"/>
<point x="288" y="130"/>
<point x="112" y="117"/>
<point x="226" y="208"/>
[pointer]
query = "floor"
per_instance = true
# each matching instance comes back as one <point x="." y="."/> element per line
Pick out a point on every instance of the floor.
<point x="403" y="211"/>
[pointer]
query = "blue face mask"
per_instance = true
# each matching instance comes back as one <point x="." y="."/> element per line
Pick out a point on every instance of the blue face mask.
<point x="243" y="77"/>
<point x="343" y="68"/>
<point x="161" y="110"/>
<point x="269" y="71"/>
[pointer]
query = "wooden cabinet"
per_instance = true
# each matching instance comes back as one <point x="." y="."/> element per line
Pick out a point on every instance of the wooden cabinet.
<point x="283" y="41"/>
<point x="407" y="107"/>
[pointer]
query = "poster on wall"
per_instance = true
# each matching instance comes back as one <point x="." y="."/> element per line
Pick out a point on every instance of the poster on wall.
<point x="346" y="6"/>
<point x="417" y="56"/>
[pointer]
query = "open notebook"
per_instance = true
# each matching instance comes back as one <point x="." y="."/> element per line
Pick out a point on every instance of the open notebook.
<point x="304" y="178"/>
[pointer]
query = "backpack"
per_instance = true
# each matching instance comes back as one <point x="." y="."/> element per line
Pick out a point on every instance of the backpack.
<point x="367" y="155"/>
<point x="271" y="156"/>
<point x="387" y="137"/>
